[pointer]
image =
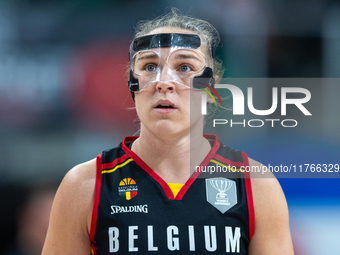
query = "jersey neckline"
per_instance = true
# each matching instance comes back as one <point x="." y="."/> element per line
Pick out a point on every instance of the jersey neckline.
<point x="167" y="190"/>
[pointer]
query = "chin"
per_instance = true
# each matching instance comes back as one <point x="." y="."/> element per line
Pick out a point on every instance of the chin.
<point x="169" y="129"/>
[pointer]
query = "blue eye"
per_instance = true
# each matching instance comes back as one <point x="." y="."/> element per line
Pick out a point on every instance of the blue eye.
<point x="150" y="68"/>
<point x="185" y="68"/>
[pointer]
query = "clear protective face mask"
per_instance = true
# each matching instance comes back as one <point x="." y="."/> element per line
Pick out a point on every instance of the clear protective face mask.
<point x="167" y="58"/>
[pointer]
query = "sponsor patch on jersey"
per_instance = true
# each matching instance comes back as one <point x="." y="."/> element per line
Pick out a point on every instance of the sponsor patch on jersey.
<point x="221" y="193"/>
<point x="129" y="209"/>
<point x="128" y="188"/>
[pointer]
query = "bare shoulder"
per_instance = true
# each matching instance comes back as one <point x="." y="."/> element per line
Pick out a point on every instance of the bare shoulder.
<point x="71" y="212"/>
<point x="272" y="233"/>
<point x="81" y="178"/>
<point x="263" y="181"/>
<point x="78" y="186"/>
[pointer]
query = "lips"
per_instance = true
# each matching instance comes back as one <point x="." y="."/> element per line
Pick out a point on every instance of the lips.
<point x="164" y="106"/>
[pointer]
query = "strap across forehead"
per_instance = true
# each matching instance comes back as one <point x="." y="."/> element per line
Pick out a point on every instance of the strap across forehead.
<point x="166" y="40"/>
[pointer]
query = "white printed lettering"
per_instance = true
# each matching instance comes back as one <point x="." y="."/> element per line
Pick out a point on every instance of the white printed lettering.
<point x="233" y="241"/>
<point x="210" y="238"/>
<point x="113" y="239"/>
<point x="191" y="238"/>
<point x="150" y="240"/>
<point x="173" y="242"/>
<point x="132" y="238"/>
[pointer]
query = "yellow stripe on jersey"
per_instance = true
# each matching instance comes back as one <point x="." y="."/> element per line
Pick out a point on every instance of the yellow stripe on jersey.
<point x="117" y="166"/>
<point x="128" y="195"/>
<point x="175" y="188"/>
<point x="233" y="169"/>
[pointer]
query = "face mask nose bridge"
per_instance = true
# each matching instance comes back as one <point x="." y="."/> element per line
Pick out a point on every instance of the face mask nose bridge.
<point x="166" y="73"/>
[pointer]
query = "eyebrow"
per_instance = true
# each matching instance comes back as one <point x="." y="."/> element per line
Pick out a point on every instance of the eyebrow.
<point x="178" y="56"/>
<point x="148" y="56"/>
<point x="186" y="56"/>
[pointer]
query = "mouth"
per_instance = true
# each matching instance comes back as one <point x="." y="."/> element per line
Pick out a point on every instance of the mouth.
<point x="164" y="106"/>
<point x="164" y="103"/>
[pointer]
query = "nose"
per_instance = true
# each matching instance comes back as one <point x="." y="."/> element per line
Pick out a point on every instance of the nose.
<point x="166" y="78"/>
<point x="164" y="86"/>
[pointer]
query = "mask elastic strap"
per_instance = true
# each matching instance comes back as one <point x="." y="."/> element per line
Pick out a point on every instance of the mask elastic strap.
<point x="207" y="74"/>
<point x="133" y="84"/>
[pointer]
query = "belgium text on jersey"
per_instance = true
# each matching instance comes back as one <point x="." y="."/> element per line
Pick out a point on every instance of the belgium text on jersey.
<point x="173" y="236"/>
<point x="128" y="209"/>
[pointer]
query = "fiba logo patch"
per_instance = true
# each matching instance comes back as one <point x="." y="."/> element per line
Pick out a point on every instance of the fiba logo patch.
<point x="128" y="188"/>
<point x="221" y="193"/>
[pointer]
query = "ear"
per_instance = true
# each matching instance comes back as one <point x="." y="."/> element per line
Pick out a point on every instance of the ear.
<point x="217" y="78"/>
<point x="209" y="100"/>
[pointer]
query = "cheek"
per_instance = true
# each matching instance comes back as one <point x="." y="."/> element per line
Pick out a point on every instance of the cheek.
<point x="196" y="104"/>
<point x="143" y="80"/>
<point x="140" y="106"/>
<point x="196" y="101"/>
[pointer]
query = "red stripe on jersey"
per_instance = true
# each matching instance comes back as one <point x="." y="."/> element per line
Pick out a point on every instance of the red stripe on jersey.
<point x="229" y="162"/>
<point x="146" y="168"/>
<point x="249" y="198"/>
<point x="204" y="163"/>
<point x="96" y="199"/>
<point x="115" y="162"/>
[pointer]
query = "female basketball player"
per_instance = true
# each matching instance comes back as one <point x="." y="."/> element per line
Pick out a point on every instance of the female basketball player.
<point x="146" y="196"/>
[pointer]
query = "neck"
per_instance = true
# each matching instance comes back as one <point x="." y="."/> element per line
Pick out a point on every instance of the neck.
<point x="172" y="158"/>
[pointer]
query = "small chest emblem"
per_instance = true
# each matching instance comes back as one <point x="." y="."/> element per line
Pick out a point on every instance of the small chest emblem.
<point x="221" y="193"/>
<point x="128" y="188"/>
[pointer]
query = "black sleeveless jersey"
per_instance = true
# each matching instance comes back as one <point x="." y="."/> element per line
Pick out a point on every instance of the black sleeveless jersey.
<point x="135" y="211"/>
